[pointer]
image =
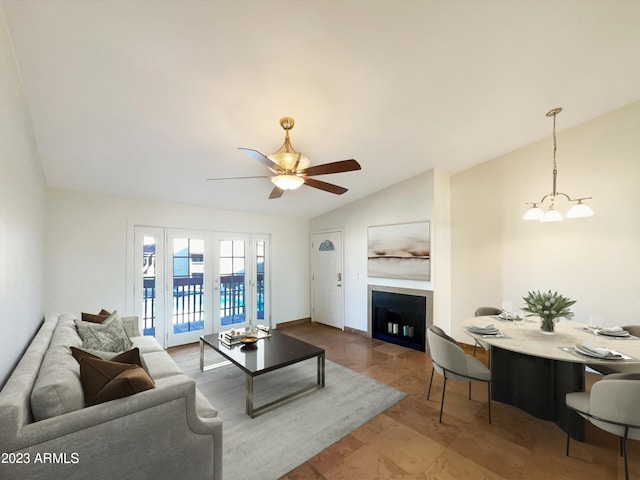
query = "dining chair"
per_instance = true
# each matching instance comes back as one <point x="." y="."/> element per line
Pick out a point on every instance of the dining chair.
<point x="450" y="361"/>
<point x="612" y="405"/>
<point x="482" y="312"/>
<point x="610" y="368"/>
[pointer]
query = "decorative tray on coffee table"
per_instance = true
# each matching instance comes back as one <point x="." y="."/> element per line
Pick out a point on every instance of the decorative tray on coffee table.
<point x="243" y="337"/>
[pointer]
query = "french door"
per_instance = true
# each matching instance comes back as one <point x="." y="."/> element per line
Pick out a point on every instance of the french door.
<point x="188" y="305"/>
<point x="241" y="289"/>
<point x="192" y="283"/>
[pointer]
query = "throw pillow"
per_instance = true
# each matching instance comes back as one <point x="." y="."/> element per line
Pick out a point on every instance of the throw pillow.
<point x="95" y="318"/>
<point x="103" y="380"/>
<point x="130" y="356"/>
<point x="108" y="336"/>
<point x="131" y="326"/>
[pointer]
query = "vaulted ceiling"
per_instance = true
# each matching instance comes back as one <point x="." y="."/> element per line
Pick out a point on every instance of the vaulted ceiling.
<point x="150" y="98"/>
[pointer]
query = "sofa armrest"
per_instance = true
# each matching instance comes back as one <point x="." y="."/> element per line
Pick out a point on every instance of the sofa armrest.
<point x="179" y="386"/>
<point x="153" y="434"/>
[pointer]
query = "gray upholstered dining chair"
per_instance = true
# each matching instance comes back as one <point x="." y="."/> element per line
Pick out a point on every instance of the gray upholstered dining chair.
<point x="481" y="312"/>
<point x="609" y="368"/>
<point x="450" y="361"/>
<point x="612" y="405"/>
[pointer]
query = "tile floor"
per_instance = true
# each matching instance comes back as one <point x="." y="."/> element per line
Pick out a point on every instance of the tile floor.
<point x="407" y="442"/>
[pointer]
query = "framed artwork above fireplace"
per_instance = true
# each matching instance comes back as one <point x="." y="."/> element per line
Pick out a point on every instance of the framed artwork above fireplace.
<point x="399" y="251"/>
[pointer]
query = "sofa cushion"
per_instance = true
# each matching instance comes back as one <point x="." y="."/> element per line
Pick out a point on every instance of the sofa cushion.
<point x="130" y="356"/>
<point x="103" y="380"/>
<point x="160" y="365"/>
<point x="95" y="318"/>
<point x="146" y="344"/>
<point x="108" y="336"/>
<point x="130" y="323"/>
<point x="57" y="388"/>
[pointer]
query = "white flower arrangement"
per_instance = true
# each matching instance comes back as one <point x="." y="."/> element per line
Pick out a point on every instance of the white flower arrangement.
<point x="548" y="306"/>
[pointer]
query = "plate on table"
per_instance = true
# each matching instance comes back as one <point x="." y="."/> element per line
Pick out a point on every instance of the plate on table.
<point x="599" y="353"/>
<point x="487" y="330"/>
<point x="614" y="333"/>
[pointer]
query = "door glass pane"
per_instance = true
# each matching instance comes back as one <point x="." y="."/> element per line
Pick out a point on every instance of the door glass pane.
<point x="260" y="280"/>
<point x="149" y="285"/>
<point x="188" y="279"/>
<point x="232" y="284"/>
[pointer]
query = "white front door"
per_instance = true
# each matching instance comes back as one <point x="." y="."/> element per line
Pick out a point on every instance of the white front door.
<point x="327" y="279"/>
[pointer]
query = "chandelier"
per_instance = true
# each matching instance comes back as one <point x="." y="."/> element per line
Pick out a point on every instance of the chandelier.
<point x="578" y="210"/>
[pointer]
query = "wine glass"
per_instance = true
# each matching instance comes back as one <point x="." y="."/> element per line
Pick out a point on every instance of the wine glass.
<point x="518" y="320"/>
<point x="595" y="321"/>
<point x="507" y="306"/>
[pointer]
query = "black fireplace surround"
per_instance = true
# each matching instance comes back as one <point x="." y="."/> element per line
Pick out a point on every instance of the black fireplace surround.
<point x="399" y="318"/>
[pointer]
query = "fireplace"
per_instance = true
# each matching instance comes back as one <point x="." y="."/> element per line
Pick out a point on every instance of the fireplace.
<point x="400" y="316"/>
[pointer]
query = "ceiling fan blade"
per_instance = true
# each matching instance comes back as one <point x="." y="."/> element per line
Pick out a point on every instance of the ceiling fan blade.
<point x="333" y="167"/>
<point x="238" y="178"/>
<point x="327" y="187"/>
<point x="276" y="193"/>
<point x="266" y="161"/>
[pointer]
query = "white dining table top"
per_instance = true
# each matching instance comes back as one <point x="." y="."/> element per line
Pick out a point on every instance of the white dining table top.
<point x="528" y="339"/>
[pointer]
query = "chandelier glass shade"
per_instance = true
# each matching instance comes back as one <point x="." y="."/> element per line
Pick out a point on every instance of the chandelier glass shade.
<point x="542" y="213"/>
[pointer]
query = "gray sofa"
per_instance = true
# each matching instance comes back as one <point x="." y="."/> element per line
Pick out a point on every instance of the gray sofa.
<point x="168" y="432"/>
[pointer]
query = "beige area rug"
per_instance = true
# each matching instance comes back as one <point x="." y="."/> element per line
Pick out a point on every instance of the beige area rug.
<point x="269" y="446"/>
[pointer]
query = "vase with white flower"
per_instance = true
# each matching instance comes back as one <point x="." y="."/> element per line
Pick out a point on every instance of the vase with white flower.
<point x="549" y="306"/>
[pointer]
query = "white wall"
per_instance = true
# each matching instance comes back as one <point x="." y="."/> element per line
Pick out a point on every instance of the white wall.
<point x="497" y="256"/>
<point x="408" y="201"/>
<point x="89" y="239"/>
<point x="21" y="217"/>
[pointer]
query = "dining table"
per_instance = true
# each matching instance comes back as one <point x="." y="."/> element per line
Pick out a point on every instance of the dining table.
<point x="534" y="371"/>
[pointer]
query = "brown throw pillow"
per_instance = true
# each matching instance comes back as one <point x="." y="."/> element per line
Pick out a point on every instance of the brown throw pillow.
<point x="95" y="318"/>
<point x="103" y="380"/>
<point x="130" y="356"/>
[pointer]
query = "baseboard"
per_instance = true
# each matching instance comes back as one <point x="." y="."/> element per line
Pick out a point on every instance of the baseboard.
<point x="355" y="331"/>
<point x="293" y="323"/>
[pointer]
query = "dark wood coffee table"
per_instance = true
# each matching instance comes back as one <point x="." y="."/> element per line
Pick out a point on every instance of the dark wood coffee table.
<point x="266" y="355"/>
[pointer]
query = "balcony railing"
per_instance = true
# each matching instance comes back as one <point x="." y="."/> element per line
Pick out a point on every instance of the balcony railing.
<point x="188" y="302"/>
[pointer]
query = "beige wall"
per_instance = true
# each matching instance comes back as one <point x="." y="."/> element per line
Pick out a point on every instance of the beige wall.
<point x="21" y="217"/>
<point x="408" y="201"/>
<point x="497" y="256"/>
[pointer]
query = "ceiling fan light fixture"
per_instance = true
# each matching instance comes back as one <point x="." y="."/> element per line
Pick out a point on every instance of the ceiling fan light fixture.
<point x="288" y="160"/>
<point x="286" y="156"/>
<point x="287" y="182"/>
<point x="291" y="170"/>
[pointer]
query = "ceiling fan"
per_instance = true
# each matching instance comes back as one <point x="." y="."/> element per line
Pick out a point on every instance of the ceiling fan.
<point x="291" y="169"/>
